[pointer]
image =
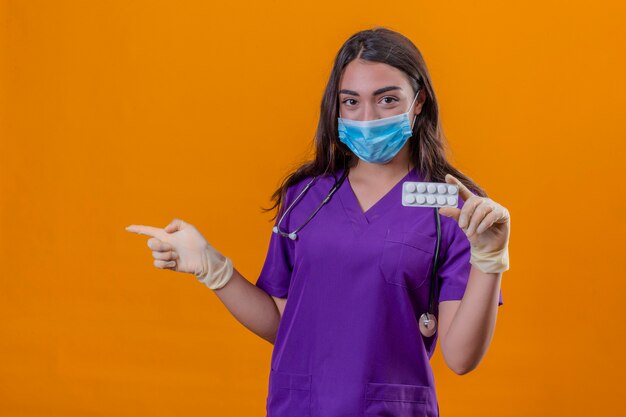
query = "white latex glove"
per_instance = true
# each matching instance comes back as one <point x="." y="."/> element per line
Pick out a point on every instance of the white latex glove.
<point x="486" y="224"/>
<point x="182" y="248"/>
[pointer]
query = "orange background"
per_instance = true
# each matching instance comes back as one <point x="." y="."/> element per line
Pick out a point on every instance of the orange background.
<point x="118" y="112"/>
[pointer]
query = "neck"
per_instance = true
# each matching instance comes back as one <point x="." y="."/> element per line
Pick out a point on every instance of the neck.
<point x="399" y="166"/>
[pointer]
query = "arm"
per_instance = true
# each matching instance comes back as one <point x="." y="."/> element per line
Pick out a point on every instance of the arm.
<point x="251" y="306"/>
<point x="182" y="248"/>
<point x="280" y="303"/>
<point x="466" y="326"/>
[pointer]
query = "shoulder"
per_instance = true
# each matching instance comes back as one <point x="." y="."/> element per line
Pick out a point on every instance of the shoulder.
<point x="297" y="187"/>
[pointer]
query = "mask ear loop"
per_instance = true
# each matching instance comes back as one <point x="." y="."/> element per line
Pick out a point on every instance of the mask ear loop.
<point x="414" y="118"/>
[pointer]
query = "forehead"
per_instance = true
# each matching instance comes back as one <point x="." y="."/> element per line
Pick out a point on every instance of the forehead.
<point x="365" y="76"/>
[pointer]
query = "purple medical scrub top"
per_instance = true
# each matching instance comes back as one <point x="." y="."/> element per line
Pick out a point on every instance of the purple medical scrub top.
<point x="349" y="343"/>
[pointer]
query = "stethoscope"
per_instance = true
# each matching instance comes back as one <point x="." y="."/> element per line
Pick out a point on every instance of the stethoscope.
<point x="427" y="321"/>
<point x="293" y="235"/>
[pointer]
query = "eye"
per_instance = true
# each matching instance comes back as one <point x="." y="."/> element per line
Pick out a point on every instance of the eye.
<point x="391" y="98"/>
<point x="348" y="99"/>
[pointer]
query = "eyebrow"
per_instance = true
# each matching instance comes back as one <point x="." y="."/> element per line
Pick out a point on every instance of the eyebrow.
<point x="375" y="93"/>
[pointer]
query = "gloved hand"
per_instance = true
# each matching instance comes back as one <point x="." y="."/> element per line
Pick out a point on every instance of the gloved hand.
<point x="182" y="248"/>
<point x="486" y="224"/>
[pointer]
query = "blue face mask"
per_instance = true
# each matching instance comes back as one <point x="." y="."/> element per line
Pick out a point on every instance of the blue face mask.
<point x="379" y="140"/>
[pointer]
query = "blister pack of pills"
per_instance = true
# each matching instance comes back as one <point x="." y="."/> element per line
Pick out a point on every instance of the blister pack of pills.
<point x="429" y="194"/>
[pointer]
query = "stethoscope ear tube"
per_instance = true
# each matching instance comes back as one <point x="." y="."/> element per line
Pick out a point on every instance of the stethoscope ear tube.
<point x="294" y="235"/>
<point x="428" y="321"/>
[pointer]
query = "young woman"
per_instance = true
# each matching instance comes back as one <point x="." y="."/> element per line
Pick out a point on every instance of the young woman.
<point x="345" y="294"/>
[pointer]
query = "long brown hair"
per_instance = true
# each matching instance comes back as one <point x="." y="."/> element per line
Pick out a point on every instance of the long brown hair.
<point x="426" y="145"/>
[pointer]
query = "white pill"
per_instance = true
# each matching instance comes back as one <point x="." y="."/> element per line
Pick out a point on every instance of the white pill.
<point x="429" y="194"/>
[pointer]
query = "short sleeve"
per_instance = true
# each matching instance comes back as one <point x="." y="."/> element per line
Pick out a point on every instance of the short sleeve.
<point x="275" y="275"/>
<point x="454" y="271"/>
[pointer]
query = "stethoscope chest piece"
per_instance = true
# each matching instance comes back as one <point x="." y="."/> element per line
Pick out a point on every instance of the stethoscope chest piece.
<point x="428" y="324"/>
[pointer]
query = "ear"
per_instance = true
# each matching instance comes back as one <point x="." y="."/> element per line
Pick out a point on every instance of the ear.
<point x="421" y="98"/>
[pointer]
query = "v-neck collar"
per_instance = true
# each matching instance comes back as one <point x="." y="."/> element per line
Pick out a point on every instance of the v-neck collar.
<point x="353" y="208"/>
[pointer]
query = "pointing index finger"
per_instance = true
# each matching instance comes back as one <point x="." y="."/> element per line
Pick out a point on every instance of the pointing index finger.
<point x="464" y="192"/>
<point x="145" y="230"/>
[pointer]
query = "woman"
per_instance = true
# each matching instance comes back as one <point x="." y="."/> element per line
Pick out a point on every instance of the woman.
<point x="349" y="342"/>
